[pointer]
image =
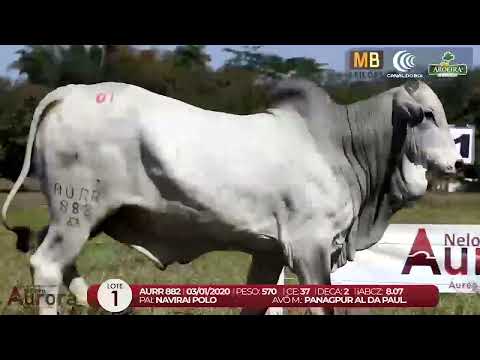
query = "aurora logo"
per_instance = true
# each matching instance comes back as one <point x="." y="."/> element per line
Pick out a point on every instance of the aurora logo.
<point x="421" y="254"/>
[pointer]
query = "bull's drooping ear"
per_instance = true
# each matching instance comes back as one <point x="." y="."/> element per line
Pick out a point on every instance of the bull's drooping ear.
<point x="416" y="113"/>
<point x="407" y="109"/>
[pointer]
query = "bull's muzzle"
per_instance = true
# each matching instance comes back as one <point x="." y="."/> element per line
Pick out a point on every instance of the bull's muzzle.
<point x="454" y="169"/>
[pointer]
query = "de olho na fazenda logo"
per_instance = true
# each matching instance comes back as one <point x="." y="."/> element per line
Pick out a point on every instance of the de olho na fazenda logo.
<point x="447" y="68"/>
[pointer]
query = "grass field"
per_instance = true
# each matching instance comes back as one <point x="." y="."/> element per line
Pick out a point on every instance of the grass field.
<point x="104" y="258"/>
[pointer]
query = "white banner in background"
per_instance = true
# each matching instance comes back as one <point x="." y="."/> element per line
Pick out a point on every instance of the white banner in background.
<point x="447" y="256"/>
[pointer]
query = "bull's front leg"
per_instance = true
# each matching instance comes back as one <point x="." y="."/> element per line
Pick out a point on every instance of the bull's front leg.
<point x="264" y="269"/>
<point x="312" y="264"/>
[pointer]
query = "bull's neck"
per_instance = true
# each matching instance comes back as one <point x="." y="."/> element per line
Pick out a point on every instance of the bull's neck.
<point x="370" y="152"/>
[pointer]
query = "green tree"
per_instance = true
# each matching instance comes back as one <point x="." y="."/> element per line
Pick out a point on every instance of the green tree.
<point x="16" y="112"/>
<point x="237" y="92"/>
<point x="191" y="56"/>
<point x="5" y="85"/>
<point x="250" y="58"/>
<point x="305" y="68"/>
<point x="39" y="63"/>
<point x="273" y="65"/>
<point x="55" y="65"/>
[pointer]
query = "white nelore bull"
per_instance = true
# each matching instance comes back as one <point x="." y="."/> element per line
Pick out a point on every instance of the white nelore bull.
<point x="305" y="184"/>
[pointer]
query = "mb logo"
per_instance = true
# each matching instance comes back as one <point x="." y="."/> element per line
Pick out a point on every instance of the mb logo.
<point x="366" y="60"/>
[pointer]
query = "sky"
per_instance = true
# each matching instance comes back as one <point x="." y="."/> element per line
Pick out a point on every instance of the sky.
<point x="334" y="55"/>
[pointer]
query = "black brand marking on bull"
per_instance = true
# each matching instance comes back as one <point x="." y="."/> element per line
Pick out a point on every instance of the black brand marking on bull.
<point x="64" y="206"/>
<point x="73" y="222"/>
<point x="58" y="189"/>
<point x="95" y="195"/>
<point x="87" y="210"/>
<point x="70" y="191"/>
<point x="69" y="194"/>
<point x="83" y="194"/>
<point x="75" y="208"/>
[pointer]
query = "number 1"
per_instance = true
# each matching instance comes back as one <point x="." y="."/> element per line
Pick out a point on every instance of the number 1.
<point x="115" y="297"/>
<point x="464" y="141"/>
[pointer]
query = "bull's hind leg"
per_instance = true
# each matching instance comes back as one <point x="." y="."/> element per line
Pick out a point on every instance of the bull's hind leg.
<point x="264" y="269"/>
<point x="73" y="216"/>
<point x="72" y="280"/>
<point x="57" y="252"/>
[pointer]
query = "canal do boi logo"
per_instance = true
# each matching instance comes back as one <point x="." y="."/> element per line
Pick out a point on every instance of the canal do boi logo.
<point x="421" y="254"/>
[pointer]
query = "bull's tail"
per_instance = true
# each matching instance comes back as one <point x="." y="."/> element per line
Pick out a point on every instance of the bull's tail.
<point x="24" y="233"/>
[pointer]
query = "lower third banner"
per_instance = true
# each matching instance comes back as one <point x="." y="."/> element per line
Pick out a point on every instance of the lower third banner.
<point x="114" y="294"/>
